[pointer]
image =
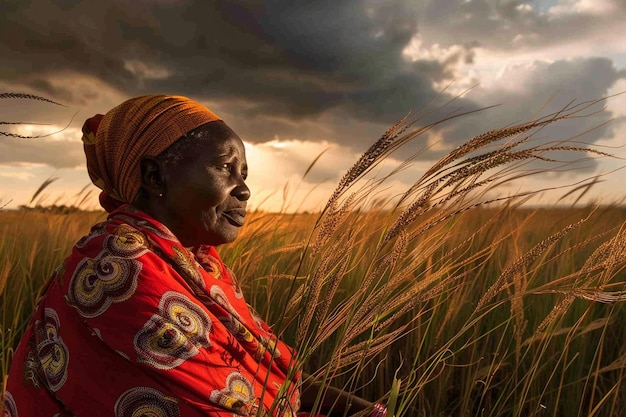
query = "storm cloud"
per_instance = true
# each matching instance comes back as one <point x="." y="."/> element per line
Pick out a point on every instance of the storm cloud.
<point x="320" y="70"/>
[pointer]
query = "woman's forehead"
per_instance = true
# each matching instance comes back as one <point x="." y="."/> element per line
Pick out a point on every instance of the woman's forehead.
<point x="203" y="132"/>
<point x="213" y="131"/>
<point x="216" y="145"/>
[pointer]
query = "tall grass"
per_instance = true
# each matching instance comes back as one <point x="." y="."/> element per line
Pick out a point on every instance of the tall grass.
<point x="467" y="342"/>
<point x="450" y="300"/>
<point x="459" y="316"/>
<point x="529" y="346"/>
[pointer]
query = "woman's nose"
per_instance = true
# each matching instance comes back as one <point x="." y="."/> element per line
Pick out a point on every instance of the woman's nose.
<point x="241" y="192"/>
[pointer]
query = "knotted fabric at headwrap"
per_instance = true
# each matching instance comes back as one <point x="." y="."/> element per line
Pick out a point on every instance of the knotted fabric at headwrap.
<point x="142" y="126"/>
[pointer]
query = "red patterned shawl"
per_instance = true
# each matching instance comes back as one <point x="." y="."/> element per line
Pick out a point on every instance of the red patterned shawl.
<point x="134" y="324"/>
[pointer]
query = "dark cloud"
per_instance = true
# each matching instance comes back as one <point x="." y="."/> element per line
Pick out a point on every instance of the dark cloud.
<point x="308" y="70"/>
<point x="285" y="59"/>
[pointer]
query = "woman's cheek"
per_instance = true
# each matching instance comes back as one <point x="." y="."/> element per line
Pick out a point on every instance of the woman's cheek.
<point x="208" y="218"/>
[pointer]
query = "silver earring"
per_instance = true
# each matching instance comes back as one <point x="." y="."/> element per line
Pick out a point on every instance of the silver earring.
<point x="160" y="195"/>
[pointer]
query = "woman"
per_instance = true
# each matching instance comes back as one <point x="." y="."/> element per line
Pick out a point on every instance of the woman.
<point x="143" y="318"/>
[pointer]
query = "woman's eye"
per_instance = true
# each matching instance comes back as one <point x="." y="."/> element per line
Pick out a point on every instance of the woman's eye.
<point x="228" y="167"/>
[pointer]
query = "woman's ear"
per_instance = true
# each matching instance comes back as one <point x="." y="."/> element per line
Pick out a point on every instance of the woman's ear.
<point x="152" y="176"/>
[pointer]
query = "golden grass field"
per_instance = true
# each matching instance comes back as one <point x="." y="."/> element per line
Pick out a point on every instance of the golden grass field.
<point x="450" y="299"/>
<point x="469" y="338"/>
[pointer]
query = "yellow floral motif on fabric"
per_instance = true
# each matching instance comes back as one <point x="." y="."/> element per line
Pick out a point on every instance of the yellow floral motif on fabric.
<point x="98" y="283"/>
<point x="52" y="353"/>
<point x="174" y="335"/>
<point x="126" y="241"/>
<point x="237" y="395"/>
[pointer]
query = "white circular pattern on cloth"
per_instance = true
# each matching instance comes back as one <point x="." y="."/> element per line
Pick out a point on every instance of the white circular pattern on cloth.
<point x="126" y="241"/>
<point x="146" y="402"/>
<point x="52" y="353"/>
<point x="175" y="334"/>
<point x="10" y="409"/>
<point x="99" y="282"/>
<point x="219" y="297"/>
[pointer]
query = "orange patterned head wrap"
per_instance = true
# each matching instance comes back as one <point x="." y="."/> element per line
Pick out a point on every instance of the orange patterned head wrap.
<point x="142" y="126"/>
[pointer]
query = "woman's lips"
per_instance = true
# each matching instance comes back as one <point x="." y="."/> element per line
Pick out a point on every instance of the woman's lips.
<point x="235" y="216"/>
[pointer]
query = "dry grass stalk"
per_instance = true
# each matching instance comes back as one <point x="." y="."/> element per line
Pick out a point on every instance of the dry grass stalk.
<point x="609" y="255"/>
<point x="4" y="272"/>
<point x="357" y="352"/>
<point x="557" y="311"/>
<point x="479" y="142"/>
<point x="386" y="264"/>
<point x="446" y="175"/>
<point x="294" y="247"/>
<point x="593" y="294"/>
<point x="416" y="298"/>
<point x="482" y="140"/>
<point x="361" y="306"/>
<point x="28" y="97"/>
<point x="617" y="365"/>
<point x="517" y="310"/>
<point x="422" y="206"/>
<point x="334" y="279"/>
<point x="592" y="282"/>
<point x="522" y="263"/>
<point x="331" y="221"/>
<point x="277" y="276"/>
<point x="370" y="156"/>
<point x="451" y="214"/>
<point x="330" y="266"/>
<point x="438" y="172"/>
<point x="417" y="208"/>
<point x="392" y="139"/>
<point x="400" y="294"/>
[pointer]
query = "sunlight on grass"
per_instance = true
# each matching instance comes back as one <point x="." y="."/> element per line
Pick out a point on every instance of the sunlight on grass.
<point x="448" y="300"/>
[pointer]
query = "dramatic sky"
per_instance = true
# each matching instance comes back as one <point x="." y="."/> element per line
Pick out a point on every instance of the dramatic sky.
<point x="295" y="78"/>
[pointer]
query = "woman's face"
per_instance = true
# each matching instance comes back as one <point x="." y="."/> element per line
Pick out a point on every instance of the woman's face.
<point x="205" y="192"/>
